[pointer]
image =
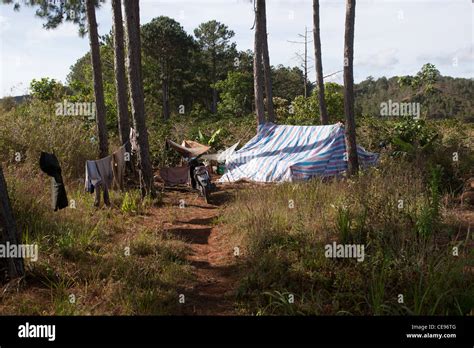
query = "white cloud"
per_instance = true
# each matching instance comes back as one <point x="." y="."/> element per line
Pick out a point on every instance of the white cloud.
<point x="38" y="34"/>
<point x="4" y="24"/>
<point x="385" y="59"/>
<point x="464" y="55"/>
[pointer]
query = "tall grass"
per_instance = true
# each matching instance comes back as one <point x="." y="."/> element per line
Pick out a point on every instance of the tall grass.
<point x="393" y="210"/>
<point x="33" y="127"/>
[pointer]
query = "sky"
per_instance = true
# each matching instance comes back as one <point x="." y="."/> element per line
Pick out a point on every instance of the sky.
<point x="392" y="37"/>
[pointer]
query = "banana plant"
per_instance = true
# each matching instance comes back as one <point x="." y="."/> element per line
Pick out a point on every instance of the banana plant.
<point x="203" y="139"/>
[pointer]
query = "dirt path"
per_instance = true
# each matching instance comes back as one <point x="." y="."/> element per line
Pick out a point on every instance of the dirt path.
<point x="211" y="253"/>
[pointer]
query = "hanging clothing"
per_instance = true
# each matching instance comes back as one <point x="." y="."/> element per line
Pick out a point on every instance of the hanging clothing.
<point x="104" y="166"/>
<point x="92" y="176"/>
<point x="49" y="164"/>
<point x="99" y="176"/>
<point x="175" y="175"/>
<point x="118" y="166"/>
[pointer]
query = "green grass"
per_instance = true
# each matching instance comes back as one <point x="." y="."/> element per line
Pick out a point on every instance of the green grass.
<point x="82" y="254"/>
<point x="407" y="251"/>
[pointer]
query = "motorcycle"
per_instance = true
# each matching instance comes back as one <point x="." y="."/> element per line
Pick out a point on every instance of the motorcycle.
<point x="200" y="178"/>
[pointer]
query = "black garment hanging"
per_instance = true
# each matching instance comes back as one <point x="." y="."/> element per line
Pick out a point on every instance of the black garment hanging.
<point x="50" y="165"/>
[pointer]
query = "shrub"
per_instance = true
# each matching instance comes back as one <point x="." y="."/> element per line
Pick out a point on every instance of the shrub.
<point x="306" y="110"/>
<point x="410" y="136"/>
<point x="47" y="89"/>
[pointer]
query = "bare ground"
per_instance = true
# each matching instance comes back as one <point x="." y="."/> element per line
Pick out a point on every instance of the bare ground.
<point x="210" y="249"/>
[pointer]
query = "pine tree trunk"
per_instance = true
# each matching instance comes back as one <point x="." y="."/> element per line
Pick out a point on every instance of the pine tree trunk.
<point x="120" y="79"/>
<point x="323" y="113"/>
<point x="305" y="62"/>
<point x="257" y="66"/>
<point x="8" y="230"/>
<point x="351" y="147"/>
<point x="267" y="72"/>
<point x="132" y="20"/>
<point x="97" y="75"/>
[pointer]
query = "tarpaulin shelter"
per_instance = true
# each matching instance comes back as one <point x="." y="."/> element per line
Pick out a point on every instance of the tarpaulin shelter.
<point x="221" y="156"/>
<point x="289" y="153"/>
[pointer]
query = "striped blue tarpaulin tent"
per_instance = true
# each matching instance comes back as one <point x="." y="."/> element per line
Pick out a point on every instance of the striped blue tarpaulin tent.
<point x="290" y="153"/>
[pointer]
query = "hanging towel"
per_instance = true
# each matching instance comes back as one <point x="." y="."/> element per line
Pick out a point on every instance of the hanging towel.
<point x="92" y="176"/>
<point x="49" y="164"/>
<point x="104" y="167"/>
<point x="118" y="166"/>
<point x="175" y="175"/>
<point x="99" y="175"/>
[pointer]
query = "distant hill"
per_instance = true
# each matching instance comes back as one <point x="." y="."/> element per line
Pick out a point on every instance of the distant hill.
<point x="20" y="98"/>
<point x="7" y="103"/>
<point x="450" y="98"/>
